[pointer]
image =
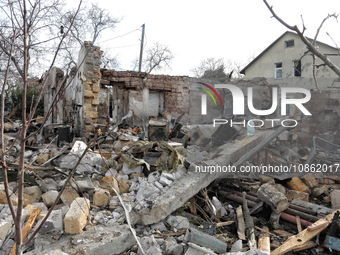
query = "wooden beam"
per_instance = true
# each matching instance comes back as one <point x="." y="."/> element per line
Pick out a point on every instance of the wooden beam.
<point x="264" y="240"/>
<point x="241" y="226"/>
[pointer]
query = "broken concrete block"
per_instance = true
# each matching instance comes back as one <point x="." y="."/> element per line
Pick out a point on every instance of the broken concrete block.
<point x="101" y="197"/>
<point x="195" y="157"/>
<point x="40" y="204"/>
<point x="164" y="181"/>
<point x="30" y="208"/>
<point x="178" y="222"/>
<point x="335" y="199"/>
<point x="168" y="176"/>
<point x="146" y="190"/>
<point x="291" y="194"/>
<point x="56" y="252"/>
<point x="310" y="180"/>
<point x="82" y="182"/>
<point x="221" y="211"/>
<point x="47" y="184"/>
<point x="296" y="184"/>
<point x="76" y="218"/>
<point x="147" y="243"/>
<point x="69" y="195"/>
<point x="53" y="223"/>
<point x="160" y="226"/>
<point x="172" y="247"/>
<point x="42" y="158"/>
<point x="138" y="169"/>
<point x="32" y="195"/>
<point x="236" y="246"/>
<point x="49" y="197"/>
<point x="271" y="196"/>
<point x="158" y="185"/>
<point x="122" y="176"/>
<point x="154" y="176"/>
<point x="7" y="246"/>
<point x="279" y="187"/>
<point x="192" y="251"/>
<point x="318" y="191"/>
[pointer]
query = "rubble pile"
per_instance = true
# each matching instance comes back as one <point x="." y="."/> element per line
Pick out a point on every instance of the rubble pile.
<point x="133" y="196"/>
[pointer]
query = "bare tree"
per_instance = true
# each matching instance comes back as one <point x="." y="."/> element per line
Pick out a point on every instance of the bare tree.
<point x="157" y="57"/>
<point x="311" y="45"/>
<point x="23" y="19"/>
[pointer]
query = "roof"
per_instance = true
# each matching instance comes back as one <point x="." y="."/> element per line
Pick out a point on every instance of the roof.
<point x="273" y="43"/>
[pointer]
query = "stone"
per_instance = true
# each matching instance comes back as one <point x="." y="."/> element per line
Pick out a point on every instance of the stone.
<point x="56" y="252"/>
<point x="88" y="93"/>
<point x="147" y="243"/>
<point x="154" y="176"/>
<point x="192" y="251"/>
<point x="178" y="222"/>
<point x="95" y="102"/>
<point x="158" y="185"/>
<point x="101" y="197"/>
<point x="160" y="226"/>
<point x="146" y="189"/>
<point x="318" y="191"/>
<point x="271" y="196"/>
<point x="172" y="247"/>
<point x="3" y="198"/>
<point x="279" y="187"/>
<point x="168" y="176"/>
<point x="110" y="180"/>
<point x="42" y="159"/>
<point x="40" y="204"/>
<point x="124" y="186"/>
<point x="32" y="195"/>
<point x="53" y="223"/>
<point x="7" y="246"/>
<point x="296" y="184"/>
<point x="96" y="88"/>
<point x="291" y="194"/>
<point x="76" y="218"/>
<point x="84" y="183"/>
<point x="122" y="176"/>
<point x="266" y="179"/>
<point x="69" y="195"/>
<point x="154" y="251"/>
<point x="195" y="157"/>
<point x="47" y="184"/>
<point x="30" y="208"/>
<point x="125" y="169"/>
<point x="237" y="246"/>
<point x="310" y="180"/>
<point x="114" y="203"/>
<point x="335" y="199"/>
<point x="221" y="211"/>
<point x="164" y="181"/>
<point x="49" y="197"/>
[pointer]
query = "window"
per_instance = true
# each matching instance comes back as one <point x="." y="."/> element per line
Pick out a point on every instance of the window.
<point x="289" y="43"/>
<point x="297" y="68"/>
<point x="278" y="70"/>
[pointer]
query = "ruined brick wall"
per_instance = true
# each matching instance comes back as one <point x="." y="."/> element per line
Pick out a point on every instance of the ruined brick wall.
<point x="134" y="90"/>
<point x="325" y="120"/>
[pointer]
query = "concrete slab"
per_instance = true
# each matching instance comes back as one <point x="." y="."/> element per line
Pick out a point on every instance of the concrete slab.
<point x="192" y="182"/>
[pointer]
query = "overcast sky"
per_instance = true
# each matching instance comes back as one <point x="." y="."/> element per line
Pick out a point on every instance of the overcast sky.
<point x="196" y="30"/>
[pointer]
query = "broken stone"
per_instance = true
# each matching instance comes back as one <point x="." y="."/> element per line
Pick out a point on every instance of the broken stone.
<point x="192" y="251"/>
<point x="172" y="247"/>
<point x="138" y="169"/>
<point x="178" y="222"/>
<point x="168" y="176"/>
<point x="101" y="197"/>
<point x="291" y="194"/>
<point x="42" y="158"/>
<point x="47" y="184"/>
<point x="3" y="198"/>
<point x="148" y="243"/>
<point x="236" y="246"/>
<point x="335" y="199"/>
<point x="7" y="246"/>
<point x="160" y="226"/>
<point x="296" y="184"/>
<point x="111" y="171"/>
<point x="310" y="180"/>
<point x="53" y="223"/>
<point x="271" y="196"/>
<point x="110" y="180"/>
<point x="279" y="187"/>
<point x="221" y="211"/>
<point x="146" y="190"/>
<point x="56" y="252"/>
<point x="195" y="157"/>
<point x="49" y="197"/>
<point x="76" y="218"/>
<point x="153" y="177"/>
<point x="158" y="185"/>
<point x="318" y="191"/>
<point x="122" y="176"/>
<point x="32" y="195"/>
<point x="84" y="182"/>
<point x="69" y="195"/>
<point x="266" y="179"/>
<point x="164" y="181"/>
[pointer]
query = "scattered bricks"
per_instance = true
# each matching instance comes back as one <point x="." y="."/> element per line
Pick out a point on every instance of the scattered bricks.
<point x="49" y="197"/>
<point x="296" y="184"/>
<point x="32" y="195"/>
<point x="113" y="182"/>
<point x="101" y="197"/>
<point x="69" y="195"/>
<point x="271" y="196"/>
<point x="266" y="179"/>
<point x="291" y="194"/>
<point x="76" y="218"/>
<point x="3" y="198"/>
<point x="88" y="93"/>
<point x="335" y="199"/>
<point x="42" y="158"/>
<point x="95" y="102"/>
<point x="96" y="88"/>
<point x="310" y="180"/>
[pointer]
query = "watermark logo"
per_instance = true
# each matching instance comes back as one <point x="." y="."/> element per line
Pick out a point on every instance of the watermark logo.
<point x="204" y="97"/>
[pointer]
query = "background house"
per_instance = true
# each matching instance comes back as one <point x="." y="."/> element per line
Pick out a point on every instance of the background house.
<point x="281" y="64"/>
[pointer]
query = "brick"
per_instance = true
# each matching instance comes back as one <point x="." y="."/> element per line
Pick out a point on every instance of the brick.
<point x="296" y="184"/>
<point x="69" y="195"/>
<point x="76" y="218"/>
<point x="96" y="88"/>
<point x="88" y="93"/>
<point x="113" y="182"/>
<point x="101" y="197"/>
<point x="94" y="115"/>
<point x="95" y="102"/>
<point x="95" y="95"/>
<point x="87" y="87"/>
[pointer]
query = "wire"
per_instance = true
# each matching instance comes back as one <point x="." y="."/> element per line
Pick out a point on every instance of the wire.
<point x="119" y="36"/>
<point x="125" y="46"/>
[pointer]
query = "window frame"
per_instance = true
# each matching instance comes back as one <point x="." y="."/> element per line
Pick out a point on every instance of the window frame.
<point x="278" y="68"/>
<point x="296" y="68"/>
<point x="289" y="46"/>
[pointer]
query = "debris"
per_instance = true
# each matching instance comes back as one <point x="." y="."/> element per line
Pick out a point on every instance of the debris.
<point x="296" y="184"/>
<point x="335" y="199"/>
<point x="271" y="196"/>
<point x="69" y="195"/>
<point x="264" y="240"/>
<point x="241" y="226"/>
<point x="49" y="197"/>
<point x="101" y="197"/>
<point x="178" y="222"/>
<point x="292" y="194"/>
<point x="76" y="218"/>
